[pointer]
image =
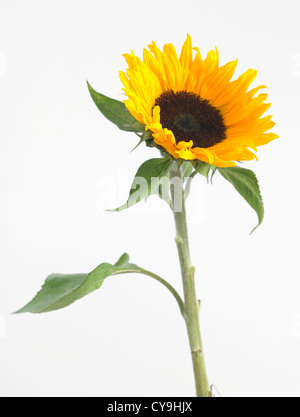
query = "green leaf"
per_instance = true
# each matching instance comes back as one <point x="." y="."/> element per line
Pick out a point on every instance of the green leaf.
<point x="116" y="112"/>
<point x="245" y="182"/>
<point x="59" y="291"/>
<point x="203" y="168"/>
<point x="148" y="179"/>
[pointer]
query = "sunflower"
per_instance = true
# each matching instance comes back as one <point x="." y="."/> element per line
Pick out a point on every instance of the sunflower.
<point x="193" y="108"/>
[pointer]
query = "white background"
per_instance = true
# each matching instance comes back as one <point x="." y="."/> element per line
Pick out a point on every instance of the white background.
<point x="62" y="164"/>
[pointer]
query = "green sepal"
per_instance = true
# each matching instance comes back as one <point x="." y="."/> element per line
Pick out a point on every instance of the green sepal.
<point x="202" y="168"/>
<point x="145" y="137"/>
<point x="186" y="169"/>
<point x="149" y="177"/>
<point x="213" y="171"/>
<point x="245" y="182"/>
<point x="116" y="112"/>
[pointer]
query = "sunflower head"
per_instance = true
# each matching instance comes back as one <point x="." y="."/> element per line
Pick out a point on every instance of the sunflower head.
<point x="193" y="108"/>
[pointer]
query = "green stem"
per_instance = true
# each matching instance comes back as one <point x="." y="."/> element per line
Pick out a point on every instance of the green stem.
<point x="136" y="270"/>
<point x="188" y="272"/>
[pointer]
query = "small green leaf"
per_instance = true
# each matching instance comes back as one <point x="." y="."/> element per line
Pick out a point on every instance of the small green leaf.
<point x="203" y="168"/>
<point x="148" y="179"/>
<point x="245" y="182"/>
<point x="124" y="259"/>
<point x="116" y="112"/>
<point x="59" y="291"/>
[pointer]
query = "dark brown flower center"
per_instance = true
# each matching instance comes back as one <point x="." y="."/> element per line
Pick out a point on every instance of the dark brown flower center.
<point x="191" y="118"/>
